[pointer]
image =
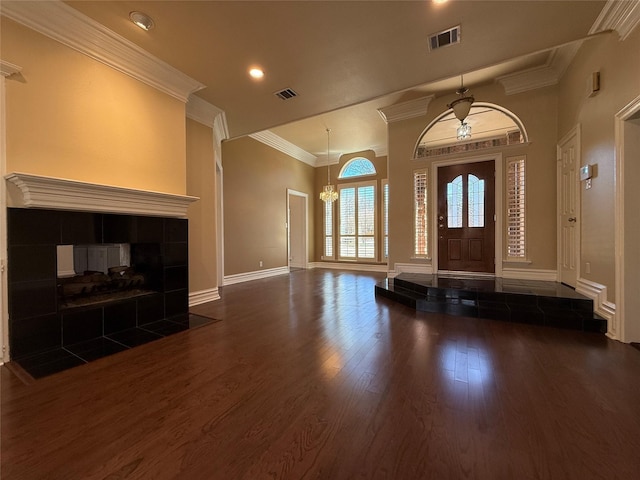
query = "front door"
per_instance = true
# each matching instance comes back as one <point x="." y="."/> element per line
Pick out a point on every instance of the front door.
<point x="466" y="217"/>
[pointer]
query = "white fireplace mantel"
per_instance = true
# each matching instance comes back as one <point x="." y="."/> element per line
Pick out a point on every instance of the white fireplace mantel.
<point x="62" y="194"/>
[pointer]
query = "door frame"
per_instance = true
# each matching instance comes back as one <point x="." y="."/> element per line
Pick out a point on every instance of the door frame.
<point x="499" y="188"/>
<point x="574" y="132"/>
<point x="620" y="326"/>
<point x="305" y="233"/>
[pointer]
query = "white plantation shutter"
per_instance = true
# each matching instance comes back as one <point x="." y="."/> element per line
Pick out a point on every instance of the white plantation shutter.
<point x="385" y="218"/>
<point x="516" y="207"/>
<point x="357" y="221"/>
<point x="328" y="229"/>
<point x="420" y="213"/>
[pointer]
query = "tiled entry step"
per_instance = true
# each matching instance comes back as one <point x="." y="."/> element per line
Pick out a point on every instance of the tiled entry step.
<point x="523" y="301"/>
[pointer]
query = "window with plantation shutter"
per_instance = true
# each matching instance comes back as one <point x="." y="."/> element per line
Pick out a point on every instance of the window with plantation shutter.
<point x="420" y="193"/>
<point x="357" y="210"/>
<point x="385" y="219"/>
<point x="516" y="207"/>
<point x="328" y="229"/>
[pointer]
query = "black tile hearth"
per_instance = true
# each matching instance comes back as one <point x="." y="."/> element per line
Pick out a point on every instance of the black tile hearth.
<point x="134" y="337"/>
<point x="50" y="362"/>
<point x="96" y="348"/>
<point x="60" y="359"/>
<point x="522" y="301"/>
<point x="165" y="327"/>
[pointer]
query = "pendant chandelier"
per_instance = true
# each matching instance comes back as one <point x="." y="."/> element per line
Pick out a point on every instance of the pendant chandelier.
<point x="461" y="107"/>
<point x="328" y="193"/>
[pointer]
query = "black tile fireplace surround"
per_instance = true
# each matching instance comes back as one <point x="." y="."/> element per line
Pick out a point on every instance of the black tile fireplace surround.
<point x="39" y="323"/>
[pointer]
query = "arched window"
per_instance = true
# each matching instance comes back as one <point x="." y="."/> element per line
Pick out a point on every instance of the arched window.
<point x="357" y="167"/>
<point x="491" y="126"/>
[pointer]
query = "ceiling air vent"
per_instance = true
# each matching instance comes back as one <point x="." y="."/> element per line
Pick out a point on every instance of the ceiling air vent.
<point x="442" y="39"/>
<point x="286" y="94"/>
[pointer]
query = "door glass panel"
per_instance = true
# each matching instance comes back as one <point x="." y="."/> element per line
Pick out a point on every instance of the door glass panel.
<point x="476" y="201"/>
<point x="454" y="203"/>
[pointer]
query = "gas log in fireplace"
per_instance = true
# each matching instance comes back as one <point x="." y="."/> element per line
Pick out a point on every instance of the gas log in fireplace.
<point x="75" y="276"/>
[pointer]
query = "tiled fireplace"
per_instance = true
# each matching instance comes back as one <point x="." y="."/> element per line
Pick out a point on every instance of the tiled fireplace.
<point x="85" y="284"/>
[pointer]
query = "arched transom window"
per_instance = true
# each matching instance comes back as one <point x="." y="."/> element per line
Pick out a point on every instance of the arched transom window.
<point x="491" y="126"/>
<point x="357" y="167"/>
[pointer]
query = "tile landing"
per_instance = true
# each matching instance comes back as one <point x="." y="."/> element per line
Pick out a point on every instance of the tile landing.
<point x="523" y="301"/>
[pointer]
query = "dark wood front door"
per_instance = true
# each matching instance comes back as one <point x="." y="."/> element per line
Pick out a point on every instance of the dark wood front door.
<point x="466" y="225"/>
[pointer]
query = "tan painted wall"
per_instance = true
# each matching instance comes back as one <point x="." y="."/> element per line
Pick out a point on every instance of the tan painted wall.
<point x="538" y="111"/>
<point x="201" y="182"/>
<point x="256" y="178"/>
<point x="69" y="116"/>
<point x="380" y="163"/>
<point x="619" y="66"/>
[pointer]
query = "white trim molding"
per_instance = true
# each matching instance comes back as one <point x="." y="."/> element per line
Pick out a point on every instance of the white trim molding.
<point x="530" y="274"/>
<point x="543" y="76"/>
<point x="202" y="111"/>
<point x="58" y="193"/>
<point x="203" y="296"/>
<point x="7" y="69"/>
<point x="398" y="268"/>
<point x="621" y="16"/>
<point x="601" y="306"/>
<point x="257" y="275"/>
<point x="274" y="141"/>
<point x="357" y="267"/>
<point x="405" y="110"/>
<point x="621" y="325"/>
<point x="68" y="26"/>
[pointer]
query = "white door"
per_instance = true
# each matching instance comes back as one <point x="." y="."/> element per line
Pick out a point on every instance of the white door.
<point x="569" y="208"/>
<point x="297" y="215"/>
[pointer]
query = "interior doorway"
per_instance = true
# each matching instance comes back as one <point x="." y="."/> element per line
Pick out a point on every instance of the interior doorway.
<point x="466" y="217"/>
<point x="297" y="244"/>
<point x="569" y="208"/>
<point x="625" y="324"/>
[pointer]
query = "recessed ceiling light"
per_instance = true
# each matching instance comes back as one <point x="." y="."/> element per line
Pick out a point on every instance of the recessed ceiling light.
<point x="256" y="73"/>
<point x="142" y="20"/>
<point x="440" y="1"/>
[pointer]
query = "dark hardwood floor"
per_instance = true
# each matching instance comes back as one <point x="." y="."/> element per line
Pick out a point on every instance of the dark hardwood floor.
<point x="309" y="376"/>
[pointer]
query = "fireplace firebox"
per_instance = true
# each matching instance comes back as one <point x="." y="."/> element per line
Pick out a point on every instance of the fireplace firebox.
<point x="62" y="293"/>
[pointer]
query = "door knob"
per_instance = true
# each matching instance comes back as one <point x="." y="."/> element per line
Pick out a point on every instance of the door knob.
<point x="572" y="219"/>
<point x="441" y="225"/>
<point x="441" y="218"/>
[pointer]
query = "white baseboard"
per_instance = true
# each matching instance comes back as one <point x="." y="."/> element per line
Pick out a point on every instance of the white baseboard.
<point x="598" y="293"/>
<point x="362" y="267"/>
<point x="203" y="296"/>
<point x="530" y="274"/>
<point x="399" y="268"/>
<point x="248" y="276"/>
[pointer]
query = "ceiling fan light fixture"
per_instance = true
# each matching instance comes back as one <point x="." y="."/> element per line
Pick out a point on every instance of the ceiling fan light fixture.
<point x="142" y="20"/>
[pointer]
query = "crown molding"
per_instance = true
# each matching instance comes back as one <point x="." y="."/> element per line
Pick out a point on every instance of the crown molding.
<point x="405" y="110"/>
<point x="207" y="114"/>
<point x="66" y="25"/>
<point x="58" y="193"/>
<point x="529" y="79"/>
<point x="7" y="69"/>
<point x="543" y="76"/>
<point x="274" y="141"/>
<point x="381" y="150"/>
<point x="621" y="16"/>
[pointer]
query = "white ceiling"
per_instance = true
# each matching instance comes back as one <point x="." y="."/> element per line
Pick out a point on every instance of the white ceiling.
<point x="345" y="59"/>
